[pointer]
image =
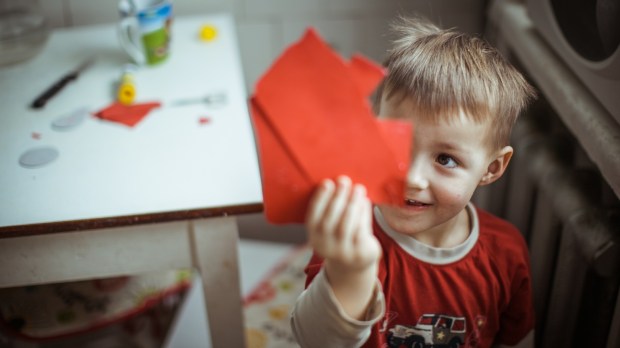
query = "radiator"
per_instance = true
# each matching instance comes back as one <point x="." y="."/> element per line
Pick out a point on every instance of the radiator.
<point x="570" y="219"/>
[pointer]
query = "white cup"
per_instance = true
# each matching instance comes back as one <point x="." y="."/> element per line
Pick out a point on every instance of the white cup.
<point x="144" y="29"/>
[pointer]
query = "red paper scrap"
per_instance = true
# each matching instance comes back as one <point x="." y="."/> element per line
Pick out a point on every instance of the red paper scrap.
<point x="314" y="121"/>
<point x="204" y="120"/>
<point x="128" y="115"/>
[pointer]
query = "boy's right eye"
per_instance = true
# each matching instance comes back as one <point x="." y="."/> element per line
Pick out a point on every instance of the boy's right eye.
<point x="447" y="161"/>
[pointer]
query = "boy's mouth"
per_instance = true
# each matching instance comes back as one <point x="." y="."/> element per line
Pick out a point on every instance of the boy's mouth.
<point x="414" y="203"/>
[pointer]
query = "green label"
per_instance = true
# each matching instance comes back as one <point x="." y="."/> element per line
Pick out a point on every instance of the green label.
<point x="156" y="45"/>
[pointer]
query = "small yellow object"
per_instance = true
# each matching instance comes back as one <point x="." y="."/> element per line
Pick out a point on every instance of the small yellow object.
<point x="208" y="33"/>
<point x="279" y="312"/>
<point x="256" y="338"/>
<point x="286" y="285"/>
<point x="126" y="89"/>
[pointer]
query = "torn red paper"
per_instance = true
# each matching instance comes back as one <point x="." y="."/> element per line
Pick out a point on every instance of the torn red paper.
<point x="314" y="121"/>
<point x="128" y="115"/>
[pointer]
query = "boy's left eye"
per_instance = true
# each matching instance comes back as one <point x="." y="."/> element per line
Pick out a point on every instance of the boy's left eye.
<point x="446" y="161"/>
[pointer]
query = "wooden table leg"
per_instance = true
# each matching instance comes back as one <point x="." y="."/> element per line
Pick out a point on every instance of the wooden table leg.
<point x="214" y="244"/>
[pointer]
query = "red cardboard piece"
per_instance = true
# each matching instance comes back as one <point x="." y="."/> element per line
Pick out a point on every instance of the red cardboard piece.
<point x="128" y="115"/>
<point x="314" y="121"/>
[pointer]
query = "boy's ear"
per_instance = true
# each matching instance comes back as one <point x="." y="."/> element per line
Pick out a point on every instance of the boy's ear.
<point x="498" y="165"/>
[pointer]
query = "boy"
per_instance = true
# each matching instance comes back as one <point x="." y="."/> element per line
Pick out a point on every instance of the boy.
<point x="435" y="270"/>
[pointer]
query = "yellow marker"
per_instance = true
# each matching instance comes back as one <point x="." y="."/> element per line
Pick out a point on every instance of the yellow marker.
<point x="126" y="89"/>
<point x="208" y="33"/>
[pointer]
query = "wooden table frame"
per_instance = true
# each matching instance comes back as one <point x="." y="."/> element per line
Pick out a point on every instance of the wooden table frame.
<point x="208" y="245"/>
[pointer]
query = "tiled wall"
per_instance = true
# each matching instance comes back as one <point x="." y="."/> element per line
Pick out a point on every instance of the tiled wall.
<point x="265" y="27"/>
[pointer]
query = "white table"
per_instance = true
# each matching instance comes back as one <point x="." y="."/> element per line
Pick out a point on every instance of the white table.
<point x="121" y="200"/>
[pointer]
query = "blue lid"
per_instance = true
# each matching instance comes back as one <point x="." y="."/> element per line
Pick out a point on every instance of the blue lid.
<point x="159" y="12"/>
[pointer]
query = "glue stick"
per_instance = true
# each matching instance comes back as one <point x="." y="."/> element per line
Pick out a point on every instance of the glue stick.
<point x="126" y="89"/>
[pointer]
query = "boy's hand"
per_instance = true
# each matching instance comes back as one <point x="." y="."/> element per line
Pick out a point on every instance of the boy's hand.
<point x="339" y="224"/>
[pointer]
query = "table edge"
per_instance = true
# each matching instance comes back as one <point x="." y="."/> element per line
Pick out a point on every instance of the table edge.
<point x="120" y="221"/>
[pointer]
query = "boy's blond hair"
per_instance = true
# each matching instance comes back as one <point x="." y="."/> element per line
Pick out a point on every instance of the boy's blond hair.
<point x="444" y="72"/>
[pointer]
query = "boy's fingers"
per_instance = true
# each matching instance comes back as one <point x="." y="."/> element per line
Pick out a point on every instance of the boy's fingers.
<point x="368" y="213"/>
<point x="365" y="221"/>
<point x="350" y="224"/>
<point x="333" y="214"/>
<point x="352" y="216"/>
<point x="318" y="203"/>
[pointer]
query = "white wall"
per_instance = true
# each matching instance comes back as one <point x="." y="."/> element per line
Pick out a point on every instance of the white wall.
<point x="266" y="27"/>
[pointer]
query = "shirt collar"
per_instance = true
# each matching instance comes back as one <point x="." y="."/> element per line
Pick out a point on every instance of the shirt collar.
<point x="427" y="253"/>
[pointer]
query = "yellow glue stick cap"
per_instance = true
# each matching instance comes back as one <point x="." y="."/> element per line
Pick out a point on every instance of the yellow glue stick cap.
<point x="126" y="93"/>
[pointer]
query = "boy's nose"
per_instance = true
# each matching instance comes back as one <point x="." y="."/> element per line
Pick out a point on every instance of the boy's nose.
<point x="416" y="177"/>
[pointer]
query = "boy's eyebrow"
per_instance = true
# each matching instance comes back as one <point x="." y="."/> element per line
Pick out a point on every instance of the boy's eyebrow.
<point x="449" y="146"/>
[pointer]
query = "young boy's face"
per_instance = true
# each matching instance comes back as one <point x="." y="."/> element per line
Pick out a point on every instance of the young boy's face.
<point x="449" y="160"/>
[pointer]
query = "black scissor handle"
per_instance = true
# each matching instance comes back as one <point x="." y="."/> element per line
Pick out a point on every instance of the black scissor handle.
<point x="41" y="100"/>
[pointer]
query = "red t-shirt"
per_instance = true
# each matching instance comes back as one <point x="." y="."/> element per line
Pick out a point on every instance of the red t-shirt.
<point x="475" y="295"/>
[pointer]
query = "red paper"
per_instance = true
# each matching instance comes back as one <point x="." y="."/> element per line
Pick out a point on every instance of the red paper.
<point x="314" y="121"/>
<point x="128" y="115"/>
<point x="204" y="120"/>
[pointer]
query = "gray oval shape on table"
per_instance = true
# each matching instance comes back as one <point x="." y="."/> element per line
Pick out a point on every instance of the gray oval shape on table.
<point x="38" y="157"/>
<point x="71" y="120"/>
